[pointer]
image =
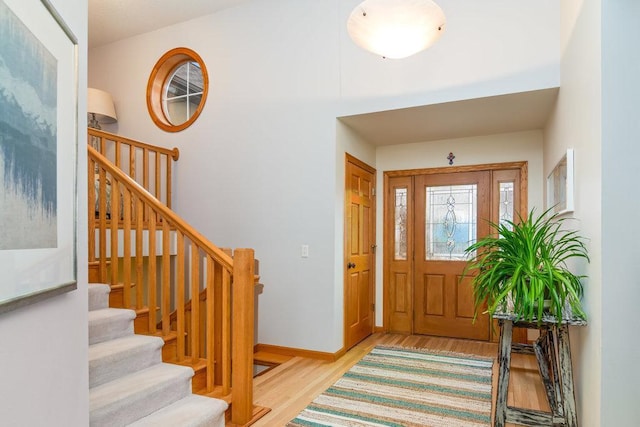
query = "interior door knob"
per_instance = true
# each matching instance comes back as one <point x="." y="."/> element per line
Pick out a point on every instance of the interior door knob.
<point x="351" y="265"/>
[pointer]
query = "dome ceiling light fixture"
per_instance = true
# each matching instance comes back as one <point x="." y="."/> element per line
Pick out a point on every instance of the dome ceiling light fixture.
<point x="396" y="28"/>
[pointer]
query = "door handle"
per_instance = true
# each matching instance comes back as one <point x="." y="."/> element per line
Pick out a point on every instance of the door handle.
<point x="351" y="265"/>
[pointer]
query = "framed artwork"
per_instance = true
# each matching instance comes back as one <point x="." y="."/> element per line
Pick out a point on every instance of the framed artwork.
<point x="38" y="153"/>
<point x="560" y="185"/>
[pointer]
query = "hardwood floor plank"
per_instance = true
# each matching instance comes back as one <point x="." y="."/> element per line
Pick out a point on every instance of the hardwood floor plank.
<point x="290" y="387"/>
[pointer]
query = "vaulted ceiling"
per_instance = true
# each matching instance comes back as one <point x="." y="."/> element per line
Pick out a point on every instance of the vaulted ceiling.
<point x="113" y="20"/>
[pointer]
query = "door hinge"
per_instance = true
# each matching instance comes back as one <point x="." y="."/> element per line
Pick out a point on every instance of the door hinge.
<point x="373" y="248"/>
<point x="373" y="306"/>
<point x="373" y="191"/>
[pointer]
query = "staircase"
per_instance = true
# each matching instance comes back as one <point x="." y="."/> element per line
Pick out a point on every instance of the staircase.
<point x="193" y="301"/>
<point x="129" y="384"/>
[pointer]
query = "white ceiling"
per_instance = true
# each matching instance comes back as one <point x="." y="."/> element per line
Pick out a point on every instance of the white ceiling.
<point x="112" y="20"/>
<point x="473" y="117"/>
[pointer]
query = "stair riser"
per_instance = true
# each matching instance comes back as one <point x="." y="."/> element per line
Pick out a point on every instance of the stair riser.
<point x="123" y="412"/>
<point x="192" y="411"/>
<point x="170" y="350"/>
<point x="141" y="323"/>
<point x="94" y="273"/>
<point x="98" y="296"/>
<point x="199" y="380"/>
<point x="108" y="329"/>
<point x="116" y="298"/>
<point x="123" y="363"/>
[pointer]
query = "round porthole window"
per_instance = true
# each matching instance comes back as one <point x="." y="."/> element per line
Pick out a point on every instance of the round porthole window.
<point x="177" y="89"/>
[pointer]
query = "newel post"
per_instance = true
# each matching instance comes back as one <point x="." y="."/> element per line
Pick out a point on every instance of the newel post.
<point x="242" y="342"/>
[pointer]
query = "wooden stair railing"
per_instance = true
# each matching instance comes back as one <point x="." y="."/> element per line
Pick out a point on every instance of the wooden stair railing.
<point x="148" y="165"/>
<point x="170" y="263"/>
<point x="202" y="300"/>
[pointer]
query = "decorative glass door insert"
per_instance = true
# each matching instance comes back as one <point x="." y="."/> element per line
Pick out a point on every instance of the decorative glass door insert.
<point x="400" y="224"/>
<point x="506" y="208"/>
<point x="450" y="221"/>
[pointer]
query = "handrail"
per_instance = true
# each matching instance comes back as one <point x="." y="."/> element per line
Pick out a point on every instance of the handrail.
<point x="132" y="156"/>
<point x="173" y="152"/>
<point x="140" y="192"/>
<point x="138" y="242"/>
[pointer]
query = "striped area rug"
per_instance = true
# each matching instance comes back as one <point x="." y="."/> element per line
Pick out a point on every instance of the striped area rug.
<point x="406" y="387"/>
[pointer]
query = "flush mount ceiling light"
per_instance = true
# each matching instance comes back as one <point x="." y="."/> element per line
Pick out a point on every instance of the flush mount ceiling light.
<point x="396" y="28"/>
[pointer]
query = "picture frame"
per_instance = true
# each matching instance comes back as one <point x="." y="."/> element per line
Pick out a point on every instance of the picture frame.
<point x="38" y="153"/>
<point x="560" y="185"/>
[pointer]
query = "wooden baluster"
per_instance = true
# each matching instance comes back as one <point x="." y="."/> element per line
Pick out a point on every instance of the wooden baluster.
<point x="132" y="174"/>
<point x="117" y="154"/>
<point x="168" y="183"/>
<point x="242" y="349"/>
<point x="115" y="215"/>
<point x="195" y="303"/>
<point x="103" y="225"/>
<point x="132" y="162"/>
<point x="91" y="209"/>
<point x="180" y="292"/>
<point x="166" y="278"/>
<point x="209" y="330"/>
<point x="145" y="172"/>
<point x="126" y="250"/>
<point x="175" y="155"/>
<point x="158" y="188"/>
<point x="218" y="322"/>
<point x="226" y="332"/>
<point x="152" y="279"/>
<point x="140" y="259"/>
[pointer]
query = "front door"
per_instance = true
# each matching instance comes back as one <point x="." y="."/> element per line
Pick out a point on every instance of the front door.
<point x="452" y="211"/>
<point x="431" y="217"/>
<point x="359" y="251"/>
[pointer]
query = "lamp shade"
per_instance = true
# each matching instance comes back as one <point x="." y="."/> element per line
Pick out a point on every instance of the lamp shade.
<point x="100" y="103"/>
<point x="396" y="28"/>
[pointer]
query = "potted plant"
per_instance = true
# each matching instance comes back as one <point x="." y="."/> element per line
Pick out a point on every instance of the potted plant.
<point x="524" y="264"/>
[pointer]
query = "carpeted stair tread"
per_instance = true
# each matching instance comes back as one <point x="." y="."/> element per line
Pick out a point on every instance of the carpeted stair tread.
<point x="137" y="395"/>
<point x="110" y="323"/>
<point x="98" y="296"/>
<point x="113" y="359"/>
<point x="191" y="411"/>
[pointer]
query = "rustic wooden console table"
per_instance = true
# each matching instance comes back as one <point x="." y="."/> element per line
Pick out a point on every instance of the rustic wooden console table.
<point x="553" y="354"/>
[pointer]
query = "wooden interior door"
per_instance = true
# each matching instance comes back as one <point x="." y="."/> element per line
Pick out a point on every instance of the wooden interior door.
<point x="451" y="211"/>
<point x="359" y="251"/>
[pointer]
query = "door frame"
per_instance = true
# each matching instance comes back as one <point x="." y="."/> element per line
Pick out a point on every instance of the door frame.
<point x="347" y="204"/>
<point x="388" y="216"/>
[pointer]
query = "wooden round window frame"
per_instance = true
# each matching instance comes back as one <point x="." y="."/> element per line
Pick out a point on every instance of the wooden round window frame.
<point x="162" y="71"/>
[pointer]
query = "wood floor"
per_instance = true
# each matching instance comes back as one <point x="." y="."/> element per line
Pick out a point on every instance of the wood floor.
<point x="290" y="387"/>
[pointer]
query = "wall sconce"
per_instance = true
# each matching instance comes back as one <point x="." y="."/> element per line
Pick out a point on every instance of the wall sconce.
<point x="396" y="28"/>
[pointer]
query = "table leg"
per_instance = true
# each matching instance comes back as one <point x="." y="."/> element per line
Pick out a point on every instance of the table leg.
<point x="566" y="377"/>
<point x="504" y="365"/>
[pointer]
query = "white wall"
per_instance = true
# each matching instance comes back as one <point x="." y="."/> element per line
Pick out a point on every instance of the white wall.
<point x="620" y="207"/>
<point x="576" y="123"/>
<point x="506" y="147"/>
<point x="43" y="355"/>
<point x="267" y="152"/>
